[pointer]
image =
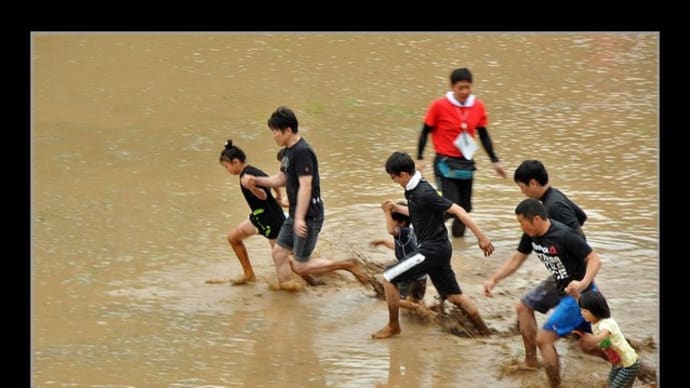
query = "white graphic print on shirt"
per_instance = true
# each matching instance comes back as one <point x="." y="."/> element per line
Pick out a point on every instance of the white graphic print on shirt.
<point x="549" y="256"/>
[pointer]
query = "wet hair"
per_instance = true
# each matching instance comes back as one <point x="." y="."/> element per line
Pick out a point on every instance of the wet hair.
<point x="399" y="217"/>
<point x="531" y="169"/>
<point x="232" y="152"/>
<point x="530" y="208"/>
<point x="400" y="162"/>
<point x="463" y="74"/>
<point x="282" y="119"/>
<point x="595" y="302"/>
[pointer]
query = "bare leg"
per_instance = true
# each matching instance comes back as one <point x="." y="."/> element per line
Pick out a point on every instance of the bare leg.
<point x="281" y="258"/>
<point x="393" y="302"/>
<point x="420" y="309"/>
<point x="243" y="230"/>
<point x="528" y="330"/>
<point x="546" y="341"/>
<point x="317" y="266"/>
<point x="312" y="281"/>
<point x="409" y="304"/>
<point x="466" y="304"/>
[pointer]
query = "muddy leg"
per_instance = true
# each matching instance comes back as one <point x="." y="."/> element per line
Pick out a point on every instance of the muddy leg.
<point x="393" y="302"/>
<point x="466" y="304"/>
<point x="546" y="341"/>
<point x="235" y="236"/>
<point x="528" y="330"/>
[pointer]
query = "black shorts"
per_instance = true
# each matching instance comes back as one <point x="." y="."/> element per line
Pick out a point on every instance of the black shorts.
<point x="437" y="265"/>
<point x="268" y="225"/>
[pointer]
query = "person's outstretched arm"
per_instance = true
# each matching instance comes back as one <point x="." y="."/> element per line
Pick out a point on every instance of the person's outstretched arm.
<point x="484" y="243"/>
<point x="505" y="270"/>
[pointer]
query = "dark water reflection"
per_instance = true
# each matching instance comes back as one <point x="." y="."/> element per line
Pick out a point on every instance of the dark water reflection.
<point x="130" y="207"/>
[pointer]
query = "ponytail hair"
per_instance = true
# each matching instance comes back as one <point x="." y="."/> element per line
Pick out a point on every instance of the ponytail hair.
<point x="232" y="152"/>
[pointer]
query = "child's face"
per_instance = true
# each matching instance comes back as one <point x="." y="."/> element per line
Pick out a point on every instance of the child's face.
<point x="587" y="315"/>
<point x="234" y="167"/>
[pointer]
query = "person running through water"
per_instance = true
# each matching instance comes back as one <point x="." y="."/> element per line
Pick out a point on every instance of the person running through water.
<point x="299" y="173"/>
<point x="266" y="217"/>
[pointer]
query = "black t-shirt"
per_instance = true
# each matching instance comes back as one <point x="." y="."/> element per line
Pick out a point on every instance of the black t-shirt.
<point x="300" y="160"/>
<point x="271" y="208"/>
<point x="427" y="207"/>
<point x="562" y="251"/>
<point x="562" y="209"/>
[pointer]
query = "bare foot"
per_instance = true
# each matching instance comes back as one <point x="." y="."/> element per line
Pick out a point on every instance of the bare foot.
<point x="313" y="281"/>
<point x="291" y="285"/>
<point x="216" y="281"/>
<point x="522" y="366"/>
<point x="242" y="280"/>
<point x="386" y="332"/>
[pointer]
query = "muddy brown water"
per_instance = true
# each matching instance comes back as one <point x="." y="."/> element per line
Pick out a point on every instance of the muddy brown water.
<point x="130" y="206"/>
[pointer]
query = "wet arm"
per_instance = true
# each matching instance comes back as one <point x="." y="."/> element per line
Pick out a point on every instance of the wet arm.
<point x="593" y="263"/>
<point x="388" y="243"/>
<point x="594" y="339"/>
<point x="250" y="183"/>
<point x="505" y="270"/>
<point x="402" y="209"/>
<point x="509" y="267"/>
<point x="484" y="242"/>
<point x="258" y="192"/>
<point x="282" y="201"/>
<point x="303" y="197"/>
<point x="390" y="224"/>
<point x="593" y="266"/>
<point x="273" y="181"/>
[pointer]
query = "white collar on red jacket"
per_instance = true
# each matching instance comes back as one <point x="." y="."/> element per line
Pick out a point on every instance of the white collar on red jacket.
<point x="451" y="97"/>
<point x="414" y="181"/>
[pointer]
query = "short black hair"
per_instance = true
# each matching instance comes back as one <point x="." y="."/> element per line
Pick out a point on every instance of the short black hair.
<point x="400" y="162"/>
<point x="282" y="119"/>
<point x="531" y="169"/>
<point x="462" y="74"/>
<point x="530" y="208"/>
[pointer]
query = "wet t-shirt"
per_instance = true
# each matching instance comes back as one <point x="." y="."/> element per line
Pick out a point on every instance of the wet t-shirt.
<point x="562" y="251"/>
